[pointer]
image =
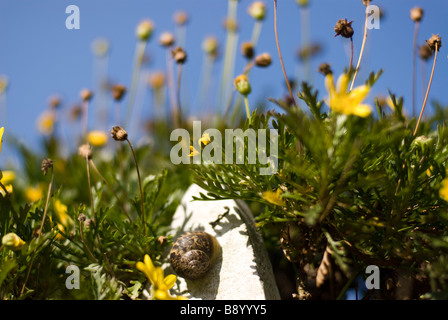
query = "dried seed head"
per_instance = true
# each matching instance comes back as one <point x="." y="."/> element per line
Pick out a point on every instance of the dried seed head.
<point x="85" y="151"/>
<point x="263" y="60"/>
<point x="425" y="51"/>
<point x="179" y="55"/>
<point x="166" y="39"/>
<point x="119" y="134"/>
<point x="46" y="165"/>
<point x="247" y="49"/>
<point x="416" y="14"/>
<point x="144" y="30"/>
<point x="86" y="94"/>
<point x="180" y="18"/>
<point x="366" y="2"/>
<point x="82" y="217"/>
<point x="242" y="85"/>
<point x="435" y="42"/>
<point x="344" y="28"/>
<point x="118" y="91"/>
<point x="257" y="10"/>
<point x="325" y="69"/>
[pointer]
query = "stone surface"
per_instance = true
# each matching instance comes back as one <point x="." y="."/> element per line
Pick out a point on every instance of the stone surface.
<point x="243" y="271"/>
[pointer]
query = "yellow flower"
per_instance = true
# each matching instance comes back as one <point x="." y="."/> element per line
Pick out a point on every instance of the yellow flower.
<point x="160" y="283"/>
<point x="12" y="241"/>
<point x="193" y="151"/>
<point x="443" y="192"/>
<point x="33" y="194"/>
<point x="2" y="129"/>
<point x="7" y="178"/>
<point x="97" y="138"/>
<point x="45" y="122"/>
<point x="61" y="212"/>
<point x="205" y="139"/>
<point x="348" y="103"/>
<point x="274" y="197"/>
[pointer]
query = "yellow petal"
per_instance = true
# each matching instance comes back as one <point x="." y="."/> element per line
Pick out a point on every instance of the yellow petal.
<point x="329" y="84"/>
<point x="358" y="94"/>
<point x="170" y="280"/>
<point x="343" y="81"/>
<point x="8" y="177"/>
<point x="362" y="110"/>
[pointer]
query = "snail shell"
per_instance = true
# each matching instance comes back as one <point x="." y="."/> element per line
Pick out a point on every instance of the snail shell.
<point x="193" y="254"/>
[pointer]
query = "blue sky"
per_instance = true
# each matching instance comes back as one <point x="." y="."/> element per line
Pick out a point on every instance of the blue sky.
<point x="41" y="57"/>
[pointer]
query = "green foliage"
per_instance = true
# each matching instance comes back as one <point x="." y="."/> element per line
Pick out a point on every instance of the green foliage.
<point x="367" y="187"/>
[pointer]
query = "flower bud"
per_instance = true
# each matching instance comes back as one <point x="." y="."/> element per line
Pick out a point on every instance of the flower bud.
<point x="257" y="10"/>
<point x="157" y="80"/>
<point x="144" y="30"/>
<point x="166" y="39"/>
<point x="247" y="49"/>
<point x="242" y="85"/>
<point x="118" y="91"/>
<point x="12" y="241"/>
<point x="85" y="151"/>
<point x="425" y="51"/>
<point x="179" y="55"/>
<point x="180" y="18"/>
<point x="325" y="69"/>
<point x="416" y="14"/>
<point x="210" y="46"/>
<point x="263" y="60"/>
<point x="46" y="165"/>
<point x="86" y="94"/>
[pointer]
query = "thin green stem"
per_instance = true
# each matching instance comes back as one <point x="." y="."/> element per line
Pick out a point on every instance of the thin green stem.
<point x="362" y="48"/>
<point x="90" y="190"/>
<point x="81" y="234"/>
<point x="111" y="189"/>
<point x="280" y="54"/>
<point x="427" y="91"/>
<point x="46" y="202"/>
<point x="179" y="107"/>
<point x="414" y="55"/>
<point x="246" y="103"/>
<point x="140" y="186"/>
<point x="138" y="59"/>
<point x="172" y="91"/>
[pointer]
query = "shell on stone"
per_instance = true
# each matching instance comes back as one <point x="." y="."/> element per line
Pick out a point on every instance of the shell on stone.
<point x="193" y="254"/>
